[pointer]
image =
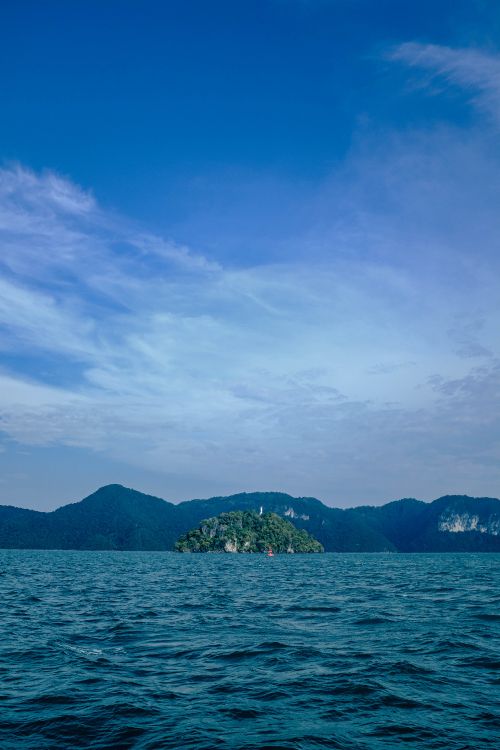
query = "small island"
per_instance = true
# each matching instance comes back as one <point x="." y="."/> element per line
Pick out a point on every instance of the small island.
<point x="247" y="531"/>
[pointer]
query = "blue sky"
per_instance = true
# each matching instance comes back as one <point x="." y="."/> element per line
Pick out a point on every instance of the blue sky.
<point x="249" y="246"/>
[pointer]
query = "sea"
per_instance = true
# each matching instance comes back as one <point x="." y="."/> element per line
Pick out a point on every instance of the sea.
<point x="154" y="650"/>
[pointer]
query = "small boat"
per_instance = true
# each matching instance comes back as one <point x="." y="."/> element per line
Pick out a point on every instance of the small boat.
<point x="270" y="553"/>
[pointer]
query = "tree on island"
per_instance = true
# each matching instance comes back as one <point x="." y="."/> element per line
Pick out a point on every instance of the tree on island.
<point x="247" y="531"/>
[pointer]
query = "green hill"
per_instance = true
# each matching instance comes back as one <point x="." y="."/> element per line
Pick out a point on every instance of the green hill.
<point x="118" y="518"/>
<point x="247" y="531"/>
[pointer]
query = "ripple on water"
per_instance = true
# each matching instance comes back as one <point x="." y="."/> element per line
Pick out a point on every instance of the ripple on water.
<point x="152" y="650"/>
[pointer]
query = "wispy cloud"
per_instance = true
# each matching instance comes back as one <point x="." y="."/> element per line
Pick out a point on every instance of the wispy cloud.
<point x="476" y="71"/>
<point x="123" y="342"/>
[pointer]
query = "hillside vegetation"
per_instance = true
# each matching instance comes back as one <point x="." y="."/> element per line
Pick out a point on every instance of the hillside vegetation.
<point x="118" y="518"/>
<point x="247" y="531"/>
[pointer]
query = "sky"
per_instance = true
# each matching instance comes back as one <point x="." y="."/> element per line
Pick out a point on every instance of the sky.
<point x="249" y="246"/>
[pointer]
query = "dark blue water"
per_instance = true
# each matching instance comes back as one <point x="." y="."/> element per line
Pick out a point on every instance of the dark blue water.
<point x="158" y="650"/>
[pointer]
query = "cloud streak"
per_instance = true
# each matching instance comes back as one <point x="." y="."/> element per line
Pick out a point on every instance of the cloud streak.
<point x="361" y="369"/>
<point x="473" y="70"/>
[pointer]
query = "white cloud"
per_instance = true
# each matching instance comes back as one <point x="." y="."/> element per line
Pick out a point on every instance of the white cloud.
<point x="125" y="343"/>
<point x="474" y="70"/>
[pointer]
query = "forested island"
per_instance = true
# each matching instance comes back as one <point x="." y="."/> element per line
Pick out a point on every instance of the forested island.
<point x="247" y="531"/>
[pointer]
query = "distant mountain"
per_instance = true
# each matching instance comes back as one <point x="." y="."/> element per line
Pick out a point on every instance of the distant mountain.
<point x="114" y="517"/>
<point x="247" y="531"/>
<point x="454" y="523"/>
<point x="118" y="518"/>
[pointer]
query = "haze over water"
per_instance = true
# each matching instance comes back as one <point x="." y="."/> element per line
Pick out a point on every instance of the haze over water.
<point x="157" y="650"/>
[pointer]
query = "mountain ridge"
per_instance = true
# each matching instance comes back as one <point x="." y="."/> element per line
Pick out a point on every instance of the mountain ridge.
<point x="121" y="518"/>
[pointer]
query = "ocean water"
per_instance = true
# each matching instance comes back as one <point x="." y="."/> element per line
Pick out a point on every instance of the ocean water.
<point x="160" y="650"/>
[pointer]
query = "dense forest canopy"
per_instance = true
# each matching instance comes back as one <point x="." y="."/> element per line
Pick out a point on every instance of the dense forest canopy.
<point x="247" y="531"/>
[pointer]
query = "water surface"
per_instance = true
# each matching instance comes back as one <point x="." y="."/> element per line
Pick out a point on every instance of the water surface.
<point x="158" y="650"/>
